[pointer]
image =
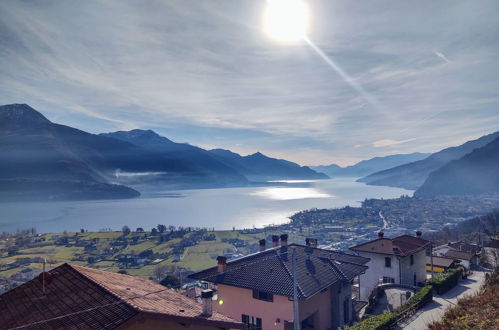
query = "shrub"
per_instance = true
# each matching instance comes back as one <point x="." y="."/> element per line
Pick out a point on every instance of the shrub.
<point x="379" y="322"/>
<point x="447" y="280"/>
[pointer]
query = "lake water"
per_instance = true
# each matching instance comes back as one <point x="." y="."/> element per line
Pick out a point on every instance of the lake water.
<point x="220" y="208"/>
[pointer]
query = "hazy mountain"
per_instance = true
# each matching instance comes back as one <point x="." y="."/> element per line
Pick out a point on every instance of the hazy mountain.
<point x="37" y="153"/>
<point x="475" y="173"/>
<point x="413" y="175"/>
<point x="258" y="167"/>
<point x="369" y="166"/>
<point x="214" y="170"/>
<point x="32" y="147"/>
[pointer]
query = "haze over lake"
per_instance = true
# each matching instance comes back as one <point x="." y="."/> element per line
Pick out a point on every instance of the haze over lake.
<point x="221" y="208"/>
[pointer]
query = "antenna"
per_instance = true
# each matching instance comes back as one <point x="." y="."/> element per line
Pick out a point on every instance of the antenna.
<point x="43" y="277"/>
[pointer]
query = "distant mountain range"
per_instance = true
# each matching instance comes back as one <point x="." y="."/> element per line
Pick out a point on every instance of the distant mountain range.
<point x="52" y="161"/>
<point x="475" y="173"/>
<point x="413" y="175"/>
<point x="369" y="166"/>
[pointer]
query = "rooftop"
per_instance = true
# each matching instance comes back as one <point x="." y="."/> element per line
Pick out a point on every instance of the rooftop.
<point x="270" y="270"/>
<point x="440" y="261"/>
<point x="462" y="255"/>
<point x="85" y="298"/>
<point x="404" y="245"/>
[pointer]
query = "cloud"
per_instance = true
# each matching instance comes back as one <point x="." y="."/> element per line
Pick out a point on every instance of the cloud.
<point x="441" y="55"/>
<point x="390" y="143"/>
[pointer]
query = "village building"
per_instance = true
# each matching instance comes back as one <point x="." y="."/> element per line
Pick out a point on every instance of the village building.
<point x="258" y="289"/>
<point x="468" y="254"/>
<point x="440" y="264"/>
<point x="399" y="260"/>
<point x="75" y="297"/>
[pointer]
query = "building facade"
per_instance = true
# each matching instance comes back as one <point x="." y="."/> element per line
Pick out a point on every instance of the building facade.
<point x="258" y="289"/>
<point x="401" y="260"/>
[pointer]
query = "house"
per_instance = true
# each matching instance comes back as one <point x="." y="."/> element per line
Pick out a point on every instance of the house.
<point x="400" y="260"/>
<point x="468" y="254"/>
<point x="440" y="264"/>
<point x="75" y="297"/>
<point x="258" y="289"/>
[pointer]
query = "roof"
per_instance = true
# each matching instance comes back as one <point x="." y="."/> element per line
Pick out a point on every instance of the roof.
<point x="440" y="262"/>
<point x="461" y="255"/>
<point x="85" y="298"/>
<point x="270" y="270"/>
<point x="465" y="247"/>
<point x="401" y="246"/>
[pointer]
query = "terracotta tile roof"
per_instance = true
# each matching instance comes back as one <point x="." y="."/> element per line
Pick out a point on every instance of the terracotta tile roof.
<point x="98" y="299"/>
<point x="402" y="245"/>
<point x="270" y="270"/>
<point x="440" y="262"/>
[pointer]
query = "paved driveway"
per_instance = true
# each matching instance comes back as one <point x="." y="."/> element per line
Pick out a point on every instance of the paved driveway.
<point x="436" y="309"/>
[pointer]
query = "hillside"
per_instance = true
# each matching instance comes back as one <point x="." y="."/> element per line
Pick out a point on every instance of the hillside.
<point x="258" y="167"/>
<point x="214" y="170"/>
<point x="369" y="166"/>
<point x="476" y="173"/>
<point x="413" y="175"/>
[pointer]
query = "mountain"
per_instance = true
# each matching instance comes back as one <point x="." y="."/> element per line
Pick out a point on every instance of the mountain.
<point x="258" y="167"/>
<point x="214" y="170"/>
<point x="34" y="148"/>
<point x="475" y="173"/>
<point x="413" y="175"/>
<point x="38" y="155"/>
<point x="369" y="166"/>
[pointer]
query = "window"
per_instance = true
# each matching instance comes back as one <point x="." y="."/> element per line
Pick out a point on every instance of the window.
<point x="388" y="262"/>
<point x="260" y="295"/>
<point x="252" y="322"/>
<point x="388" y="279"/>
<point x="412" y="259"/>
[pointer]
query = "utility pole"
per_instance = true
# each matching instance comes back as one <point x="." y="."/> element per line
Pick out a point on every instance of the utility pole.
<point x="296" y="314"/>
<point x="431" y="257"/>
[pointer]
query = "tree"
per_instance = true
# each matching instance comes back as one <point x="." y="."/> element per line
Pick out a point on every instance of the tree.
<point x="126" y="230"/>
<point x="122" y="271"/>
<point x="140" y="230"/>
<point x="82" y="230"/>
<point x="161" y="228"/>
<point x="171" y="281"/>
<point x="154" y="231"/>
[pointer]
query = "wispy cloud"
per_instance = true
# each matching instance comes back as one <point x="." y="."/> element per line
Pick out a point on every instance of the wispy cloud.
<point x="441" y="55"/>
<point x="390" y="143"/>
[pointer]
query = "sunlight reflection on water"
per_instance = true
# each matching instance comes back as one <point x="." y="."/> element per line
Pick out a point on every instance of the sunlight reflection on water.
<point x="284" y="193"/>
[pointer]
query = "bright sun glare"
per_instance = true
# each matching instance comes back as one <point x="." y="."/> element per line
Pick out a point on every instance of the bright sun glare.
<point x="286" y="20"/>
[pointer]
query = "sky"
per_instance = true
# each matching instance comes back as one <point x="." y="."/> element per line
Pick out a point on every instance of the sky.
<point x="419" y="76"/>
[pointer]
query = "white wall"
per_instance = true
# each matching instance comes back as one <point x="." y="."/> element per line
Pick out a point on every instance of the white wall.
<point x="377" y="270"/>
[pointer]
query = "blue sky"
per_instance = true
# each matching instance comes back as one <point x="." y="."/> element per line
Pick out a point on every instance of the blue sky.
<point x="203" y="72"/>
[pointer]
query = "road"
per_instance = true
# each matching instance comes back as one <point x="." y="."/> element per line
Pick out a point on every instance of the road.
<point x="435" y="310"/>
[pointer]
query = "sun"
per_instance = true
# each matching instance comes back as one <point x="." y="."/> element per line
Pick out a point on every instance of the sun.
<point x="286" y="20"/>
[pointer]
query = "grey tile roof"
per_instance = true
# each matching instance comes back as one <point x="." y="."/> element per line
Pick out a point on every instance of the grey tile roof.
<point x="270" y="270"/>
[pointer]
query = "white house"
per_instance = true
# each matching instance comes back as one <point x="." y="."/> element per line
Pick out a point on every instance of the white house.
<point x="400" y="260"/>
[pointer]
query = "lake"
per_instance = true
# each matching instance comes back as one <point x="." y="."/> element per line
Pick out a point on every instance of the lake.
<point x="220" y="208"/>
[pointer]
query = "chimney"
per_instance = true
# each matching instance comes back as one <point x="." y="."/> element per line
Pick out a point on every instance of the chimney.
<point x="284" y="239"/>
<point x="275" y="241"/>
<point x="419" y="233"/>
<point x="206" y="297"/>
<point x="221" y="264"/>
<point x="381" y="234"/>
<point x="262" y="244"/>
<point x="311" y="242"/>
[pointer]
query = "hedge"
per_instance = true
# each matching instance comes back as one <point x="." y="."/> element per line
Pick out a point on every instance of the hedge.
<point x="378" y="322"/>
<point x="387" y="321"/>
<point x="422" y="297"/>
<point x="447" y="280"/>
